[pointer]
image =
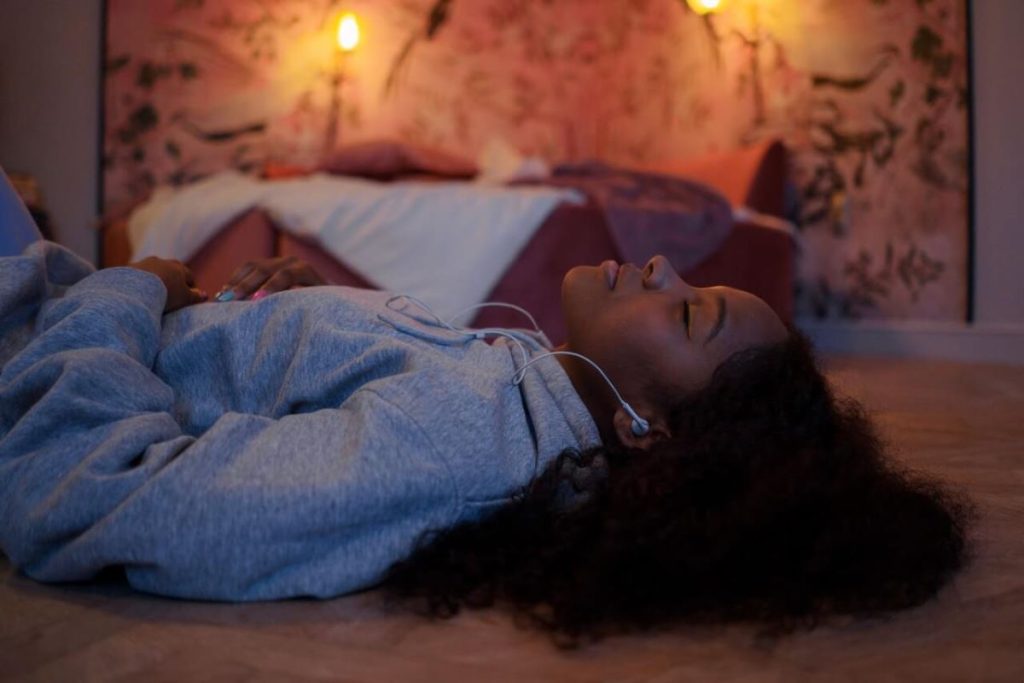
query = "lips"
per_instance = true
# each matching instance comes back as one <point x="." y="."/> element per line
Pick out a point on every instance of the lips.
<point x="611" y="272"/>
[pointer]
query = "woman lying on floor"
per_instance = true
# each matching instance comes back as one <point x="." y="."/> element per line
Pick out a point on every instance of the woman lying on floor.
<point x="321" y="440"/>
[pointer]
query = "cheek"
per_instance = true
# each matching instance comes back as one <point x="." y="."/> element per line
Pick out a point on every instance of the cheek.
<point x="654" y="355"/>
<point x="603" y="334"/>
<point x="671" y="362"/>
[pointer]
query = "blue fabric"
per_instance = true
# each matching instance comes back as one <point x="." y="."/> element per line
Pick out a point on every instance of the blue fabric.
<point x="297" y="445"/>
<point x="17" y="229"/>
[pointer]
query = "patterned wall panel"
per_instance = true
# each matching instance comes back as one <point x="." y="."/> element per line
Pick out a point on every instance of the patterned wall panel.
<point x="871" y="96"/>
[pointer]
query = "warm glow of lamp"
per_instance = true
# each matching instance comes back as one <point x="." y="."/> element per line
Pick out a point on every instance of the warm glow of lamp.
<point x="705" y="6"/>
<point x="348" y="32"/>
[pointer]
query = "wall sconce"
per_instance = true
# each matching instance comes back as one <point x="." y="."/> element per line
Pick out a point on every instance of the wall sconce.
<point x="703" y="7"/>
<point x="347" y="38"/>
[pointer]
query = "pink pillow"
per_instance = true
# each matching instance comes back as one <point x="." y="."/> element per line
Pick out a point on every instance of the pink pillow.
<point x="390" y="159"/>
<point x="752" y="176"/>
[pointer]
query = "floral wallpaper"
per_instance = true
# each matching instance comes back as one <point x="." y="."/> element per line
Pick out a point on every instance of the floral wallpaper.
<point x="869" y="95"/>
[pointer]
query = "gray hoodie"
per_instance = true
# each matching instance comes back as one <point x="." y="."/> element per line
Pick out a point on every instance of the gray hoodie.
<point x="296" y="446"/>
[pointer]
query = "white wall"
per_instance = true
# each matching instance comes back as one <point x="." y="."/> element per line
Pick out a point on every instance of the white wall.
<point x="49" y="107"/>
<point x="999" y="155"/>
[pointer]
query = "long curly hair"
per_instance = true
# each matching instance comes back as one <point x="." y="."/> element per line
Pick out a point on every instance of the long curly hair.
<point x="773" y="502"/>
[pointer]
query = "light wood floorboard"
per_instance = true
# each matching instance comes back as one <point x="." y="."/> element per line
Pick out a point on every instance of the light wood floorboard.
<point x="962" y="422"/>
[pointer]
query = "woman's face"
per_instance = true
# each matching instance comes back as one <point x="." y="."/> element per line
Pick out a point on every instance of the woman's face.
<point x="655" y="335"/>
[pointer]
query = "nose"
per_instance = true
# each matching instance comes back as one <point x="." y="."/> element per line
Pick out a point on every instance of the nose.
<point x="659" y="274"/>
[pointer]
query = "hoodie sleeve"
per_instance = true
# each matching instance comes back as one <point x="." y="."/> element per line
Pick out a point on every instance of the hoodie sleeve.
<point x="95" y="471"/>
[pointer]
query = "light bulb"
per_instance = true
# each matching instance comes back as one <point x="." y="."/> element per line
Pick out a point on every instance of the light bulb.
<point x="348" y="32"/>
<point x="705" y="6"/>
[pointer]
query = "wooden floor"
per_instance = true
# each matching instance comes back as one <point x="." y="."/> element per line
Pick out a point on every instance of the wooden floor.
<point x="963" y="422"/>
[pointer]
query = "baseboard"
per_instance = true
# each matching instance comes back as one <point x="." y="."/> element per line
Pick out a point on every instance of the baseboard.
<point x="980" y="343"/>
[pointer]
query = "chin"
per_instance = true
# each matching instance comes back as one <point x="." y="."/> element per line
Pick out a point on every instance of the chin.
<point x="581" y="281"/>
<point x="583" y="289"/>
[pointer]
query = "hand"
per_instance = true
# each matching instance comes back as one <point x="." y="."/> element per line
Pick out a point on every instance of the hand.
<point x="266" y="276"/>
<point x="177" y="279"/>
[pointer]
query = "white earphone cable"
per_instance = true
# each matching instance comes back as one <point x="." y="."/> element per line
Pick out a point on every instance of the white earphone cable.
<point x="496" y="304"/>
<point x="640" y="426"/>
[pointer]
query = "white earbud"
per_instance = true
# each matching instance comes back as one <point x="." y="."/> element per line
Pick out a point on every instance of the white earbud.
<point x="640" y="426"/>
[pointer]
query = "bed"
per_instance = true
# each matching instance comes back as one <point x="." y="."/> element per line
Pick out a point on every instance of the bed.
<point x="757" y="255"/>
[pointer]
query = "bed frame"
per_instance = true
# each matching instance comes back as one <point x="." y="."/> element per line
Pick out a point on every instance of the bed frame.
<point x="756" y="257"/>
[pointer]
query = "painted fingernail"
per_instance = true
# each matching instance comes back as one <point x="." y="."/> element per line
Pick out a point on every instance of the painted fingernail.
<point x="228" y="295"/>
<point x="259" y="295"/>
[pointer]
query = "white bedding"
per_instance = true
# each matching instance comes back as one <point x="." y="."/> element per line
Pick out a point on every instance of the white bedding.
<point x="446" y="243"/>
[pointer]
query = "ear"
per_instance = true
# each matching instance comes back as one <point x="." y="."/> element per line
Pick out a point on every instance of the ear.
<point x="623" y="423"/>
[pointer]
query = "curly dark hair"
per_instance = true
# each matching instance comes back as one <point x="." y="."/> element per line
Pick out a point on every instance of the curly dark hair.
<point x="773" y="502"/>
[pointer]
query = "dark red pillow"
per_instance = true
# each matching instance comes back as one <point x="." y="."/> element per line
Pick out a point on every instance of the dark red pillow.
<point x="276" y="170"/>
<point x="390" y="159"/>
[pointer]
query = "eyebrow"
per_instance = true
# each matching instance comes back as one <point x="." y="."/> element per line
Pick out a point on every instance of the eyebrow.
<point x="719" y="322"/>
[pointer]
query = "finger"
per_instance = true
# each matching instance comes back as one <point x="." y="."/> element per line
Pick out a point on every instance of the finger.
<point x="190" y="279"/>
<point x="282" y="280"/>
<point x="242" y="288"/>
<point x="251" y="283"/>
<point x="308" y="277"/>
<point x="184" y="297"/>
<point x="226" y="293"/>
<point x="240" y="274"/>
